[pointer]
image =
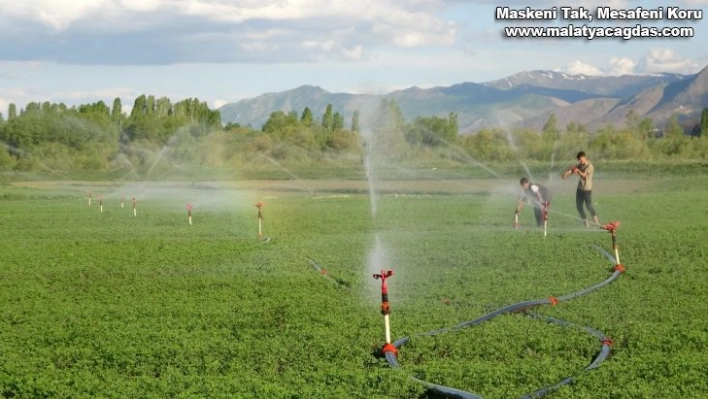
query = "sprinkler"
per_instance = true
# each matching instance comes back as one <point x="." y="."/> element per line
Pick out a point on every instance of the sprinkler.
<point x="259" y="205"/>
<point x="89" y="198"/>
<point x="100" y="203"/>
<point x="385" y="310"/>
<point x="612" y="228"/>
<point x="135" y="207"/>
<point x="122" y="202"/>
<point x="516" y="221"/>
<point x="189" y="213"/>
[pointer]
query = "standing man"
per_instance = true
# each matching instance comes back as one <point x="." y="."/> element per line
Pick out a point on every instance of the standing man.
<point x="583" y="196"/>
<point x="541" y="197"/>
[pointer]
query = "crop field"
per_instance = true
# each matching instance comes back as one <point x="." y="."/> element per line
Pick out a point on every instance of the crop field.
<point x="108" y="304"/>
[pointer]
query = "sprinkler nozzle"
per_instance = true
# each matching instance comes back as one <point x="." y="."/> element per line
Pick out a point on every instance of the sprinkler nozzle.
<point x="385" y="308"/>
<point x="259" y="205"/>
<point x="383" y="275"/>
<point x="611" y="227"/>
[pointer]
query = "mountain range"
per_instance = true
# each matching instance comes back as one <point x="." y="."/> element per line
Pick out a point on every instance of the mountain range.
<point x="525" y="99"/>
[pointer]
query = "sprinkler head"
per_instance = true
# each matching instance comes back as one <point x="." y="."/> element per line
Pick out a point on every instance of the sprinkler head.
<point x="259" y="205"/>
<point x="383" y="275"/>
<point x="189" y="206"/>
<point x="611" y="227"/>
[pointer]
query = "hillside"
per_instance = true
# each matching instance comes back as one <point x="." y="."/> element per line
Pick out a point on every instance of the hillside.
<point x="523" y="99"/>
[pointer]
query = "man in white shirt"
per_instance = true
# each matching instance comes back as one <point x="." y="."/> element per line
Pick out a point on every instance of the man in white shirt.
<point x="541" y="197"/>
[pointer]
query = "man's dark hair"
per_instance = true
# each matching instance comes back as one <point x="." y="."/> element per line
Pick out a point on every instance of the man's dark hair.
<point x="523" y="181"/>
<point x="580" y="155"/>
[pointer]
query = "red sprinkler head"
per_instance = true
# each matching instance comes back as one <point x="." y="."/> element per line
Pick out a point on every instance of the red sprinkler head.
<point x="189" y="206"/>
<point x="383" y="276"/>
<point x="259" y="205"/>
<point x="385" y="309"/>
<point x="611" y="227"/>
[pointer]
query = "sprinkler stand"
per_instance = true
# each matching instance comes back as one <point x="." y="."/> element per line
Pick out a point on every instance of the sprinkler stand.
<point x="135" y="210"/>
<point x="89" y="198"/>
<point x="189" y="213"/>
<point x="612" y="229"/>
<point x="259" y="205"/>
<point x="122" y="200"/>
<point x="385" y="309"/>
<point x="100" y="203"/>
<point x="516" y="221"/>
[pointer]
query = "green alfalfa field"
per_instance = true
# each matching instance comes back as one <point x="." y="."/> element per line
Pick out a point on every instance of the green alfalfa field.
<point x="111" y="305"/>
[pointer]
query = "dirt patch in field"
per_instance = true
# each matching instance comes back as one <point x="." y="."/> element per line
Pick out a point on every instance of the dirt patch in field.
<point x="320" y="187"/>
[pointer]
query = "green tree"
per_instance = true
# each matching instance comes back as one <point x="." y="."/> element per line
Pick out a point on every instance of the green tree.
<point x="337" y="121"/>
<point x="453" y="126"/>
<point x="11" y="111"/>
<point x="673" y="128"/>
<point x="328" y="118"/>
<point x="646" y="129"/>
<point x="139" y="106"/>
<point x="704" y="123"/>
<point x="355" y="122"/>
<point x="550" y="130"/>
<point x="281" y="123"/>
<point x="432" y="131"/>
<point x="307" y="119"/>
<point x="117" y="109"/>
<point x="150" y="105"/>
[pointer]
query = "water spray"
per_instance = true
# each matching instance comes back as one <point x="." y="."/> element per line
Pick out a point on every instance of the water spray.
<point x="259" y="205"/>
<point x="189" y="213"/>
<point x="385" y="310"/>
<point x="545" y="219"/>
<point x="135" y="207"/>
<point x="612" y="229"/>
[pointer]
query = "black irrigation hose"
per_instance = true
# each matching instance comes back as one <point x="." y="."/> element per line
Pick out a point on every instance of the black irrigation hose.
<point x="319" y="269"/>
<point x="522" y="307"/>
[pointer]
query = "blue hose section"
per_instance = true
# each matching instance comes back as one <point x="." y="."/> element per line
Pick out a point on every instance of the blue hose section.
<point x="604" y="353"/>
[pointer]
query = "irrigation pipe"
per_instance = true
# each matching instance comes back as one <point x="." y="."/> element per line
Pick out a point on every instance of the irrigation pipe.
<point x="319" y="269"/>
<point x="603" y="354"/>
<point x="523" y="307"/>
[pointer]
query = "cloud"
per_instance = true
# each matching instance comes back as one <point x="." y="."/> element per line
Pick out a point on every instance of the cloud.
<point x="190" y="31"/>
<point x="666" y="60"/>
<point x="580" y="68"/>
<point x="656" y="60"/>
<point x="622" y="66"/>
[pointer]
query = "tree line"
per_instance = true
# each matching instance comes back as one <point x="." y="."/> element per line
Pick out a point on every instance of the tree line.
<point x="99" y="137"/>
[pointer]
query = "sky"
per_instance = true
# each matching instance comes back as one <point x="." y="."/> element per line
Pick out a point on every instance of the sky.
<point x="220" y="51"/>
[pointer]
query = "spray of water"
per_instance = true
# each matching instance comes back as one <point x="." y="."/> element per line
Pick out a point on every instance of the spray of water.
<point x="513" y="146"/>
<point x="300" y="181"/>
<point x="462" y="155"/>
<point x="369" y="169"/>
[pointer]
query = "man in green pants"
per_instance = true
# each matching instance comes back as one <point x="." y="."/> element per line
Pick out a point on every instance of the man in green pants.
<point x="583" y="195"/>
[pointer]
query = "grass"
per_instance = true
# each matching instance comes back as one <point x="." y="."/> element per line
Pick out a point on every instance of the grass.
<point x="108" y="305"/>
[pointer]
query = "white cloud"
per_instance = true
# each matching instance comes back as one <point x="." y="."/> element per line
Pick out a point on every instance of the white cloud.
<point x="666" y="60"/>
<point x="656" y="60"/>
<point x="580" y="68"/>
<point x="218" y="30"/>
<point x="622" y="66"/>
